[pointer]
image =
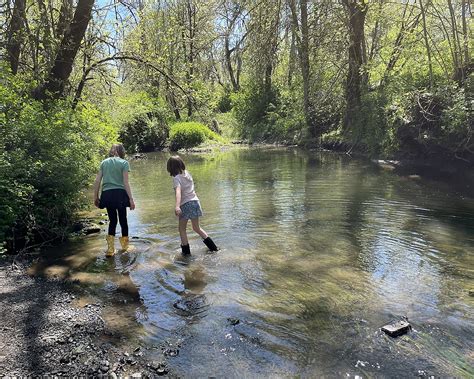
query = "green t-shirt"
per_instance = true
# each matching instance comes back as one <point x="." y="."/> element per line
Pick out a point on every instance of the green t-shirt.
<point x="112" y="173"/>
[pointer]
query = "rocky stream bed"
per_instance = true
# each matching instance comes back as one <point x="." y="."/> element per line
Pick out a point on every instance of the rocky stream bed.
<point x="44" y="332"/>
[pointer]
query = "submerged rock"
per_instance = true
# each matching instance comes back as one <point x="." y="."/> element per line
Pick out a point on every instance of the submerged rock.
<point x="233" y="321"/>
<point x="171" y="352"/>
<point x="397" y="328"/>
<point x="90" y="229"/>
<point x="159" y="367"/>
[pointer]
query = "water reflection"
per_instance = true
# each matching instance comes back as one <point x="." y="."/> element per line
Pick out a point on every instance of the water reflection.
<point x="319" y="251"/>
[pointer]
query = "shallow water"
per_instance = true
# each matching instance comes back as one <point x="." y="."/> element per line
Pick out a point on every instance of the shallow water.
<point x="318" y="251"/>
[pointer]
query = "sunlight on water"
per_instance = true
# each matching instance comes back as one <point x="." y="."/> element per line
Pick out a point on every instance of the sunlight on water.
<point x="318" y="252"/>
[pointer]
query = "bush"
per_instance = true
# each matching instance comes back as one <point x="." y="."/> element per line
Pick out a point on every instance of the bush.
<point x="268" y="115"/>
<point x="141" y="119"/>
<point x="256" y="110"/>
<point x="224" y="102"/>
<point x="146" y="133"/>
<point x="185" y="135"/>
<point x="49" y="153"/>
<point x="435" y="122"/>
<point x="414" y="123"/>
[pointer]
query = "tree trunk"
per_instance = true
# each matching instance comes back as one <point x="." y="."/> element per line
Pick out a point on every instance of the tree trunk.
<point x="303" y="52"/>
<point x="191" y="18"/>
<point x="15" y="34"/>
<point x="228" y="61"/>
<point x="59" y="74"/>
<point x="239" y="68"/>
<point x="465" y="7"/>
<point x="304" y="58"/>
<point x="268" y="77"/>
<point x="357" y="11"/>
<point x="65" y="17"/>
<point x="46" y="38"/>
<point x="405" y="29"/>
<point x="427" y="45"/>
<point x="292" y="58"/>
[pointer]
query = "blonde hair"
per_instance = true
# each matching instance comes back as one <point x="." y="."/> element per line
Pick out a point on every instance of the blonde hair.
<point x="117" y="149"/>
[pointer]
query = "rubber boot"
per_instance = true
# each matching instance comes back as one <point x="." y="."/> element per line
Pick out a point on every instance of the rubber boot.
<point x="210" y="244"/>
<point x="185" y="249"/>
<point x="124" y="242"/>
<point x="110" y="246"/>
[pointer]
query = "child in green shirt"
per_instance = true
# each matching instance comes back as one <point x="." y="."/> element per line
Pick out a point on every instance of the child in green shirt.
<point x="116" y="194"/>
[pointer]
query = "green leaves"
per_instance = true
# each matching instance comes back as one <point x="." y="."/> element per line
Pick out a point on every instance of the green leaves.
<point x="49" y="154"/>
<point x="185" y="135"/>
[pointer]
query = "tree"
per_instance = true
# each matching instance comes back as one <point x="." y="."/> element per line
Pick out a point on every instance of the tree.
<point x="56" y="81"/>
<point x="357" y="57"/>
<point x="15" y="34"/>
<point x="301" y="34"/>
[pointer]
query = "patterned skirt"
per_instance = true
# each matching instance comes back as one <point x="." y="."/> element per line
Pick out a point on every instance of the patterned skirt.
<point x="191" y="209"/>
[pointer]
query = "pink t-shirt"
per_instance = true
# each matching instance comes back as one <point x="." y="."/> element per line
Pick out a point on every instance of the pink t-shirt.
<point x="185" y="181"/>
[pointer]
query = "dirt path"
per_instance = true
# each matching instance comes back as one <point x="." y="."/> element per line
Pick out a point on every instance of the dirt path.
<point x="43" y="333"/>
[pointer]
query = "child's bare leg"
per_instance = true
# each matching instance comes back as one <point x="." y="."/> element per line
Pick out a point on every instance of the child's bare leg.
<point x="182" y="231"/>
<point x="197" y="228"/>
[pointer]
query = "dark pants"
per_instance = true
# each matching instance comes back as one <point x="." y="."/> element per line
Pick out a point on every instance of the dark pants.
<point x="122" y="218"/>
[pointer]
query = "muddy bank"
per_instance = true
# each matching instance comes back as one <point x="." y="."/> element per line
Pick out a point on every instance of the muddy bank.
<point x="44" y="331"/>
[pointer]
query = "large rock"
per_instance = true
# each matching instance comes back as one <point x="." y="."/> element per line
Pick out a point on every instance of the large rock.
<point x="397" y="328"/>
<point x="91" y="228"/>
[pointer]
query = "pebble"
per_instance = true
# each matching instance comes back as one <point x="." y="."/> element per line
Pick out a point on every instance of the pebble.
<point x="136" y="375"/>
<point x="171" y="352"/>
<point x="233" y="321"/>
<point x="65" y="359"/>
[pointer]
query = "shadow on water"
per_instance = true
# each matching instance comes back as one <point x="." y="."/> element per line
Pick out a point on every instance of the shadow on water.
<point x="318" y="252"/>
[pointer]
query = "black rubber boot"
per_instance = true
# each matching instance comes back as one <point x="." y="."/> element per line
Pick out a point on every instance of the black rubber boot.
<point x="210" y="244"/>
<point x="185" y="249"/>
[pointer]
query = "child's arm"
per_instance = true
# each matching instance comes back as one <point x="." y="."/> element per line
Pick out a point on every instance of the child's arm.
<point x="98" y="178"/>
<point x="177" y="208"/>
<point x="129" y="191"/>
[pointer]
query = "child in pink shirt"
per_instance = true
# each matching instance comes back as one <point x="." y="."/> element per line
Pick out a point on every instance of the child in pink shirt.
<point x="187" y="206"/>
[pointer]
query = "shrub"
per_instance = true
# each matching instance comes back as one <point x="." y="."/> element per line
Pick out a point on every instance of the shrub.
<point x="49" y="152"/>
<point x="435" y="122"/>
<point x="224" y="102"/>
<point x="141" y="119"/>
<point x="185" y="135"/>
<point x="268" y="115"/>
<point x="256" y="110"/>
<point x="145" y="133"/>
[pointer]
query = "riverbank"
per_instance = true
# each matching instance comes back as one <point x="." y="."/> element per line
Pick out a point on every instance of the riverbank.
<point x="45" y="332"/>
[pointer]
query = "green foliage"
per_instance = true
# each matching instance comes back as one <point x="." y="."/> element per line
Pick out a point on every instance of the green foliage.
<point x="254" y="108"/>
<point x="369" y="124"/>
<point x="49" y="152"/>
<point x="146" y="133"/>
<point x="413" y="122"/>
<point x="228" y="125"/>
<point x="141" y="119"/>
<point x="185" y="135"/>
<point x="224" y="101"/>
<point x="268" y="115"/>
<point x="433" y="122"/>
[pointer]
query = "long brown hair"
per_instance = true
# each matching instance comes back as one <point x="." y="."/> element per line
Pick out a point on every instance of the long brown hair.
<point x="175" y="165"/>
<point x="117" y="149"/>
